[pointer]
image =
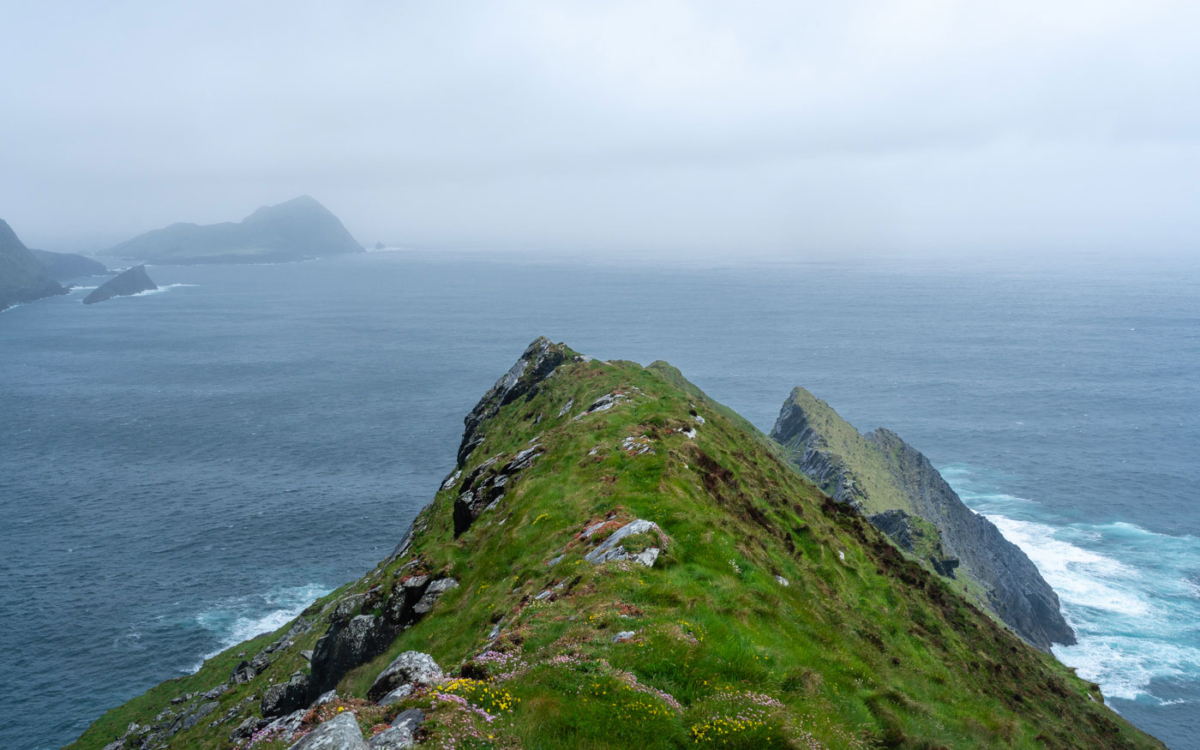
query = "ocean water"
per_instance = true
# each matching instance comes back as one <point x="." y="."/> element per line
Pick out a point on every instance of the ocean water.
<point x="183" y="469"/>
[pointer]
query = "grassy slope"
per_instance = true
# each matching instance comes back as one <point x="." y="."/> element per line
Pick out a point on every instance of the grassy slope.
<point x="863" y="649"/>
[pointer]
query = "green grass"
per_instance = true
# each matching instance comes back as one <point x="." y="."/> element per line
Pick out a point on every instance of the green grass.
<point x="864" y="648"/>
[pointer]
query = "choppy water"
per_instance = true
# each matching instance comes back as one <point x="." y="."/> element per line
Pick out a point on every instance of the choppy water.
<point x="181" y="470"/>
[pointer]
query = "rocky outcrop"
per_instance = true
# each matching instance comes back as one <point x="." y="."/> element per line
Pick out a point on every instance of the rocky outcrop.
<point x="351" y="642"/>
<point x="609" y="551"/>
<point x="409" y="668"/>
<point x="22" y="277"/>
<point x="284" y="698"/>
<point x="339" y="733"/>
<point x="537" y="363"/>
<point x="487" y="484"/>
<point x="67" y="266"/>
<point x="898" y="490"/>
<point x="915" y="535"/>
<point x="132" y="281"/>
<point x="299" y="229"/>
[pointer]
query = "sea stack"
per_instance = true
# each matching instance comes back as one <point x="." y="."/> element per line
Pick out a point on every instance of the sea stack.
<point x="133" y="281"/>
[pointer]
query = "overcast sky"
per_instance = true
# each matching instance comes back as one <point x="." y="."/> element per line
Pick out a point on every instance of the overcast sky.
<point x="778" y="128"/>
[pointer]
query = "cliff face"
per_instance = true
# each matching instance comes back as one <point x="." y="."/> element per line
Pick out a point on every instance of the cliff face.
<point x="615" y="560"/>
<point x="131" y="281"/>
<point x="896" y="488"/>
<point x="66" y="266"/>
<point x="299" y="229"/>
<point x="22" y="277"/>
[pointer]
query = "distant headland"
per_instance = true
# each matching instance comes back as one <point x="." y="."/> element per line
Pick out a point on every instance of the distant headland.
<point x="299" y="229"/>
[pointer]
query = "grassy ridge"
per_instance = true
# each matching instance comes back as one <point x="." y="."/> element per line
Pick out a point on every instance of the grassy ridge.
<point x="861" y="648"/>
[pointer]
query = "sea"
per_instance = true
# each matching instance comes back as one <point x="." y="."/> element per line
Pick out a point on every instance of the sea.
<point x="183" y="469"/>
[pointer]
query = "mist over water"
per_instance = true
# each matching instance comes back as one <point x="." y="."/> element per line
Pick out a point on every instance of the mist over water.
<point x="184" y="469"/>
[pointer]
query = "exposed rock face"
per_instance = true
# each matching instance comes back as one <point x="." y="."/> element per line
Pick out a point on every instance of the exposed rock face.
<point x="349" y="643"/>
<point x="487" y="484"/>
<point x="132" y="281"/>
<point x="296" y="230"/>
<point x="286" y="697"/>
<point x="22" y="277"/>
<point x="609" y="550"/>
<point x="895" y="485"/>
<point x="339" y="733"/>
<point x="409" y="668"/>
<point x="911" y="535"/>
<point x="538" y="362"/>
<point x="66" y="266"/>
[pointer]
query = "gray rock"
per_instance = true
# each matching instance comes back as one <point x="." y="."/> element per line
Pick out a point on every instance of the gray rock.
<point x="410" y="667"/>
<point x="522" y="460"/>
<point x="410" y="719"/>
<point x="193" y="717"/>
<point x="347" y="607"/>
<point x="216" y="692"/>
<point x="327" y="697"/>
<point x="609" y="550"/>
<point x="646" y="557"/>
<point x="260" y="662"/>
<point x="604" y="403"/>
<point x="783" y="581"/>
<point x="285" y="725"/>
<point x="339" y="733"/>
<point x="450" y="480"/>
<point x="566" y="407"/>
<point x="307" y="654"/>
<point x="247" y="728"/>
<point x="115" y="745"/>
<point x="242" y="673"/>
<point x="392" y="738"/>
<point x="624" y="635"/>
<point x="396" y="695"/>
<point x="288" y="696"/>
<point x="433" y="593"/>
<point x="345" y="646"/>
<point x="401" y="734"/>
<point x="538" y="362"/>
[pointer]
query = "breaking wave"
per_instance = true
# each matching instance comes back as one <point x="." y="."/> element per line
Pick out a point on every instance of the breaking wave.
<point x="244" y="618"/>
<point x="1132" y="595"/>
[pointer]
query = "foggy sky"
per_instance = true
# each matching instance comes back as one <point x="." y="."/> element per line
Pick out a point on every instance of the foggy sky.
<point x="777" y="128"/>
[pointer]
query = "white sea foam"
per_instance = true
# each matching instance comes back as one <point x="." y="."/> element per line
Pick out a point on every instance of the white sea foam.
<point x="247" y="617"/>
<point x="1081" y="577"/>
<point x="161" y="289"/>
<point x="1129" y="593"/>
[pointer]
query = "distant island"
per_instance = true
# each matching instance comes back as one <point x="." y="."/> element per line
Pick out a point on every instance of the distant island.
<point x="132" y="281"/>
<point x="300" y="229"/>
<point x="22" y="277"/>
